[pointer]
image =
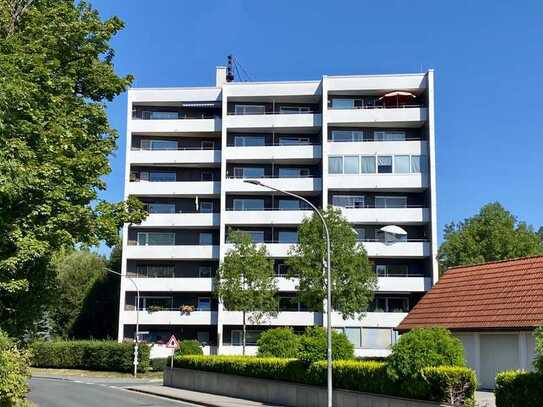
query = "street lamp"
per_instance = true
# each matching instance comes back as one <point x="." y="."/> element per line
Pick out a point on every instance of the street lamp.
<point x="328" y="279"/>
<point x="137" y="318"/>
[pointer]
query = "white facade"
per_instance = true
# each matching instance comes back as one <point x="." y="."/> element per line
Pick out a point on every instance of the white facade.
<point x="337" y="141"/>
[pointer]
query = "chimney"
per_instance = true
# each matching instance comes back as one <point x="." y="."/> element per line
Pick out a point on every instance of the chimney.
<point x="220" y="76"/>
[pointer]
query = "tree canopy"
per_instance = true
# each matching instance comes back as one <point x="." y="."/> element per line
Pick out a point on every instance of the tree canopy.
<point x="492" y="234"/>
<point x="56" y="74"/>
<point x="353" y="281"/>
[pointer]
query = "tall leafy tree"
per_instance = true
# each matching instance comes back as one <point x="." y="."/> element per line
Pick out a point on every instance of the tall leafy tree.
<point x="246" y="281"/>
<point x="492" y="234"/>
<point x="353" y="281"/>
<point x="56" y="74"/>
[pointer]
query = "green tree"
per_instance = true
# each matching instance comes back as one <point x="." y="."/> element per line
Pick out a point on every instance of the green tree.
<point x="353" y="281"/>
<point x="493" y="234"/>
<point x="246" y="281"/>
<point x="56" y="73"/>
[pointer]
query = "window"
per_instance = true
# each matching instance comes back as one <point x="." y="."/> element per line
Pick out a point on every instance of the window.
<point x="203" y="337"/>
<point x="146" y="302"/>
<point x="367" y="164"/>
<point x="249" y="141"/>
<point x="348" y="201"/>
<point x="251" y="337"/>
<point x="155" y="270"/>
<point x="391" y="202"/>
<point x="346" y="135"/>
<point x="335" y="165"/>
<point x="285" y="172"/>
<point x="205" y="207"/>
<point x="287" y="236"/>
<point x="282" y="269"/>
<point x="401" y="164"/>
<point x="206" y="238"/>
<point x="338" y="103"/>
<point x="360" y="234"/>
<point x="294" y="109"/>
<point x="249" y="172"/>
<point x="391" y="270"/>
<point x="204" y="271"/>
<point x="257" y="236"/>
<point x="156" y="238"/>
<point x="208" y="145"/>
<point x="158" y="145"/>
<point x="158" y="115"/>
<point x="389" y="237"/>
<point x="250" y="109"/>
<point x="160" y="207"/>
<point x="419" y="163"/>
<point x="288" y="304"/>
<point x="158" y="176"/>
<point x="291" y="204"/>
<point x="390" y="304"/>
<point x="292" y="140"/>
<point x="204" y="304"/>
<point x="384" y="164"/>
<point x="376" y="338"/>
<point x="248" y="204"/>
<point x="351" y="164"/>
<point x="207" y="176"/>
<point x="389" y="135"/>
<point x="354" y="336"/>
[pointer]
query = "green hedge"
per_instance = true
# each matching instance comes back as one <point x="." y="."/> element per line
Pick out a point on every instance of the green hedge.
<point x="14" y="372"/>
<point x="445" y="384"/>
<point x="89" y="355"/>
<point x="516" y="388"/>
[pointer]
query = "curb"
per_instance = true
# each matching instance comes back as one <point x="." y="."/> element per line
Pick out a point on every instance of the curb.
<point x="186" y="400"/>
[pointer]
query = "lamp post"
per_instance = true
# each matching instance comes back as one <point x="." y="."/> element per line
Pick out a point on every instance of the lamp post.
<point x="328" y="285"/>
<point x="137" y="318"/>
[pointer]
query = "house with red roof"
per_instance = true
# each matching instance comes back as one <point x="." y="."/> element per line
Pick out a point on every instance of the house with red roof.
<point x="493" y="308"/>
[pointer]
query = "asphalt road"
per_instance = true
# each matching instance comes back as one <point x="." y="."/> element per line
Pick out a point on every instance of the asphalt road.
<point x="49" y="392"/>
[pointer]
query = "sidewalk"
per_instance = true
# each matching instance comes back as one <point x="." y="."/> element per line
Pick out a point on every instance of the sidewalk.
<point x="204" y="399"/>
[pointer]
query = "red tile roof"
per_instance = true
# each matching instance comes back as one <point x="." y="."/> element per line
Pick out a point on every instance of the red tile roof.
<point x="500" y="295"/>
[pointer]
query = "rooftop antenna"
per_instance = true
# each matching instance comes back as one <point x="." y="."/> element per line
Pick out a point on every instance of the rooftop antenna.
<point x="229" y="72"/>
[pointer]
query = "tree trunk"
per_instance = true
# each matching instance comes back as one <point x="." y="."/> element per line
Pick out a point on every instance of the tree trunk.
<point x="244" y="329"/>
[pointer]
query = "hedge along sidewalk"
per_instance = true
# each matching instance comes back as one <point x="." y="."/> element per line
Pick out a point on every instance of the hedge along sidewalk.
<point x="89" y="355"/>
<point x="441" y="384"/>
<point x="517" y="388"/>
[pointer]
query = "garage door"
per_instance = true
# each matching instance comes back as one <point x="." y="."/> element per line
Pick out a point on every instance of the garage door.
<point x="498" y="352"/>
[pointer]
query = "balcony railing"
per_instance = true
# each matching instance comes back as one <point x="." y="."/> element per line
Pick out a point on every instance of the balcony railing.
<point x="399" y="106"/>
<point x="267" y="209"/>
<point x="271" y="176"/>
<point x="175" y="148"/>
<point x="387" y="274"/>
<point x="146" y="115"/>
<point x="277" y="144"/>
<point x="408" y="240"/>
<point x="373" y="206"/>
<point x="256" y="113"/>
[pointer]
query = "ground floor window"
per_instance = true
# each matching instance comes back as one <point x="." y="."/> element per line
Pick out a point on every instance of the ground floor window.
<point x="251" y="337"/>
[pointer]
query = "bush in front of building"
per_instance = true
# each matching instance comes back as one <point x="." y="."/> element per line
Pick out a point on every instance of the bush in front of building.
<point x="14" y="372"/>
<point x="189" y="347"/>
<point x="279" y="343"/>
<point x="313" y="346"/>
<point x="453" y="385"/>
<point x="89" y="355"/>
<point x="517" y="388"/>
<point x="538" y="361"/>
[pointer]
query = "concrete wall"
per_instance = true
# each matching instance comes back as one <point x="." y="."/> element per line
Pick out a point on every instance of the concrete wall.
<point x="278" y="392"/>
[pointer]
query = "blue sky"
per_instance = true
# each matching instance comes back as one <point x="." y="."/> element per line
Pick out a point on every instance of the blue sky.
<point x="488" y="58"/>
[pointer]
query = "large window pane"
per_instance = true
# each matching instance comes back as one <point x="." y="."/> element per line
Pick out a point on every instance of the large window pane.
<point x="367" y="164"/>
<point x="401" y="164"/>
<point x="389" y="136"/>
<point x="348" y="201"/>
<point x="206" y="238"/>
<point x="162" y="176"/>
<point x="160" y="208"/>
<point x="248" y="141"/>
<point x="342" y="103"/>
<point x="294" y="109"/>
<point x="248" y="204"/>
<point x="335" y="165"/>
<point x="384" y="164"/>
<point x="204" y="304"/>
<point x="293" y="172"/>
<point x="292" y="140"/>
<point x="376" y="338"/>
<point x="354" y="336"/>
<point x="391" y="202"/>
<point x="351" y="164"/>
<point x="157" y="115"/>
<point x="156" y="238"/>
<point x="287" y="236"/>
<point x="250" y="109"/>
<point x="291" y="204"/>
<point x="249" y="172"/>
<point x="398" y="305"/>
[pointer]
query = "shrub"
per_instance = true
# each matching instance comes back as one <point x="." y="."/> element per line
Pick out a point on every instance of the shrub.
<point x="90" y="355"/>
<point x="14" y="372"/>
<point x="278" y="342"/>
<point x="190" y="347"/>
<point x="538" y="361"/>
<point x="158" y="364"/>
<point x="424" y="347"/>
<point x="313" y="346"/>
<point x="454" y="385"/>
<point x="516" y="388"/>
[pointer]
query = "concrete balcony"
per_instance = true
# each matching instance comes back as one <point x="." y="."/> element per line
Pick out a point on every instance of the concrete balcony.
<point x="306" y="184"/>
<point x="151" y="157"/>
<point x="286" y="318"/>
<point x="177" y="252"/>
<point x="274" y="249"/>
<point x="181" y="219"/>
<point x="407" y="116"/>
<point x="270" y="217"/>
<point x="273" y="121"/>
<point x="398" y="249"/>
<point x="170" y="318"/>
<point x="381" y="182"/>
<point x="305" y="153"/>
<point x="287" y="284"/>
<point x="186" y="188"/>
<point x="175" y="126"/>
<point x="370" y="319"/>
<point x="410" y="147"/>
<point x="387" y="215"/>
<point x="404" y="284"/>
<point x="175" y="284"/>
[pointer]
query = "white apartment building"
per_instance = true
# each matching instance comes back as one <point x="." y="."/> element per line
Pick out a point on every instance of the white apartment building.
<point x="364" y="143"/>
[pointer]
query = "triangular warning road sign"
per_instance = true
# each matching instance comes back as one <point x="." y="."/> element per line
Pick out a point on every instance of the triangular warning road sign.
<point x="172" y="342"/>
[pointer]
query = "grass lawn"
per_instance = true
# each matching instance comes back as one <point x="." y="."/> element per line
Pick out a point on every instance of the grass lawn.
<point x="37" y="371"/>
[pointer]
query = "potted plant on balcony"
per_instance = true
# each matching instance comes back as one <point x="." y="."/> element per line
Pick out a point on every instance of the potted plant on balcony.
<point x="186" y="309"/>
<point x="154" y="308"/>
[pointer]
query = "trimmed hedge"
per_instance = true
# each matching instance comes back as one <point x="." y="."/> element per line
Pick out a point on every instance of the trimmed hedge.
<point x="517" y="388"/>
<point x="444" y="384"/>
<point x="14" y="372"/>
<point x="189" y="347"/>
<point x="89" y="355"/>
